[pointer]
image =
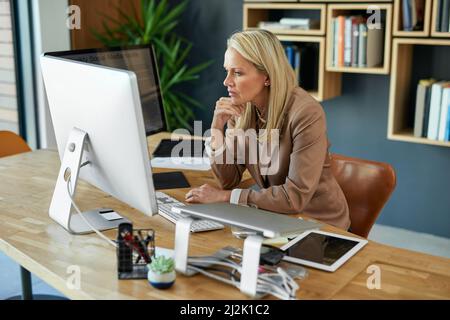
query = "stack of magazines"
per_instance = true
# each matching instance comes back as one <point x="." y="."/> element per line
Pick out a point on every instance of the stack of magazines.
<point x="289" y="23"/>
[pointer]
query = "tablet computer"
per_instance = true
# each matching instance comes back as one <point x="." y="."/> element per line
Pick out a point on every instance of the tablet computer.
<point x="322" y="250"/>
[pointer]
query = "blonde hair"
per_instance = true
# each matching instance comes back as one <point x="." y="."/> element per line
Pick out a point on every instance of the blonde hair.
<point x="265" y="51"/>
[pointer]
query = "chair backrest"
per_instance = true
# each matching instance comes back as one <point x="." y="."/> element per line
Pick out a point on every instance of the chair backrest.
<point x="367" y="185"/>
<point x="11" y="143"/>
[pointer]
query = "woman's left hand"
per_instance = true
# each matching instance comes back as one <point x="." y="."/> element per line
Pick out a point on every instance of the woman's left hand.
<point x="207" y="194"/>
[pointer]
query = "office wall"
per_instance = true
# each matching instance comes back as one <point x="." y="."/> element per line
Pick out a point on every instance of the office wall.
<point x="357" y="122"/>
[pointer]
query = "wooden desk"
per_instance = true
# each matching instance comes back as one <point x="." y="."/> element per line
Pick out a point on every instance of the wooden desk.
<point x="32" y="239"/>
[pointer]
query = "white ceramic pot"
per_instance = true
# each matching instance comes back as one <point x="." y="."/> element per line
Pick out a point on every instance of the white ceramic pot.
<point x="161" y="281"/>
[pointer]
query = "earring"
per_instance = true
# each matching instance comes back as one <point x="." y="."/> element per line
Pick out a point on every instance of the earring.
<point x="266" y="84"/>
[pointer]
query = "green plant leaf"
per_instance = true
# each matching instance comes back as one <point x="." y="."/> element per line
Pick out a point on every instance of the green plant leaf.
<point x="176" y="77"/>
<point x="199" y="67"/>
<point x="190" y="100"/>
<point x="174" y="13"/>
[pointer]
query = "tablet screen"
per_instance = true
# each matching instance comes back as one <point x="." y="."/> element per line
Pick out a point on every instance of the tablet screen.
<point x="320" y="248"/>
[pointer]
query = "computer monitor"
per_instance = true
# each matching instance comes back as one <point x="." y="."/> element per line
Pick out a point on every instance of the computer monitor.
<point x="98" y="121"/>
<point x="139" y="59"/>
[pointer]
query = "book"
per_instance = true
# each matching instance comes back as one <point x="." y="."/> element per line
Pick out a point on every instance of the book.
<point x="341" y="25"/>
<point x="413" y="14"/>
<point x="445" y="15"/>
<point x="290" y="55"/>
<point x="445" y="101"/>
<point x="374" y="47"/>
<point x="435" y="110"/>
<point x="334" y="23"/>
<point x="362" y="45"/>
<point x="406" y="12"/>
<point x="297" y="63"/>
<point x="420" y="12"/>
<point x="423" y="89"/>
<point x="301" y="22"/>
<point x="447" y="133"/>
<point x="438" y="15"/>
<point x="355" y="39"/>
<point x="426" y="112"/>
<point x="348" y="42"/>
<point x="273" y="25"/>
<point x="295" y="21"/>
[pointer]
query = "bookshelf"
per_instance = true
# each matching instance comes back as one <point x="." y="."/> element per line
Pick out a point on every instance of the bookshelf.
<point x="398" y="21"/>
<point x="401" y="104"/>
<point x="399" y="47"/>
<point x="434" y="19"/>
<point x="335" y="10"/>
<point x="329" y="83"/>
<point x="258" y="12"/>
<point x="337" y="1"/>
<point x="271" y="1"/>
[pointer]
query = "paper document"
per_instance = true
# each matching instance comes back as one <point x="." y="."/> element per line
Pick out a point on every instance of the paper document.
<point x="186" y="163"/>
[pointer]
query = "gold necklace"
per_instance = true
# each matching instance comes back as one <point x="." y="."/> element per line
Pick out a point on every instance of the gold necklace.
<point x="258" y="113"/>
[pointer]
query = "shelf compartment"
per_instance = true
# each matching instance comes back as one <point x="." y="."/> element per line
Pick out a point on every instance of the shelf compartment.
<point x="257" y="12"/>
<point x="434" y="19"/>
<point x="339" y="1"/>
<point x="335" y="10"/>
<point x="270" y="1"/>
<point x="328" y="83"/>
<point x="404" y="78"/>
<point x="398" y="21"/>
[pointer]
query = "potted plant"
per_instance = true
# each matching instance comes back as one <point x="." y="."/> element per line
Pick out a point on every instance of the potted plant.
<point x="161" y="272"/>
<point x="154" y="23"/>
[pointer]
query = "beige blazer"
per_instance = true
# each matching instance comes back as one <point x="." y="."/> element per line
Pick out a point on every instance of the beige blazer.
<point x="303" y="181"/>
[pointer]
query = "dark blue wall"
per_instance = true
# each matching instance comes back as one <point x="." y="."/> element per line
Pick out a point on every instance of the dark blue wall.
<point x="357" y="121"/>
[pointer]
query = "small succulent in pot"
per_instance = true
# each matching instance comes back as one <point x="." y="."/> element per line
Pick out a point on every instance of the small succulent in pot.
<point x="161" y="272"/>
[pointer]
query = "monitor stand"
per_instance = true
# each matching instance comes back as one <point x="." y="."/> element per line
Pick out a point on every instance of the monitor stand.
<point x="250" y="256"/>
<point x="61" y="205"/>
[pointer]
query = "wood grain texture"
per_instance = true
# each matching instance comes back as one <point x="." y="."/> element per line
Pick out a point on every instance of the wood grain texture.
<point x="32" y="239"/>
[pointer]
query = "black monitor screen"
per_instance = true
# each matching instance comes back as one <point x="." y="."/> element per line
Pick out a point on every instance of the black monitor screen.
<point x="140" y="60"/>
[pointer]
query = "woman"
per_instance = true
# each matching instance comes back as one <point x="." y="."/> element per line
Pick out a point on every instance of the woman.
<point x="264" y="94"/>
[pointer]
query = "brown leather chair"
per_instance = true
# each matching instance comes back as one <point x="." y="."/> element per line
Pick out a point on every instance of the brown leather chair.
<point x="367" y="185"/>
<point x="11" y="143"/>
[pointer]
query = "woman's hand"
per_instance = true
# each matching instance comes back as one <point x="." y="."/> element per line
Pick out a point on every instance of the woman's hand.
<point x="224" y="111"/>
<point x="207" y="194"/>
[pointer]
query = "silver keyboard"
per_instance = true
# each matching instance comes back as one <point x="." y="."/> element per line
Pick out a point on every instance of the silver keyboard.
<point x="165" y="203"/>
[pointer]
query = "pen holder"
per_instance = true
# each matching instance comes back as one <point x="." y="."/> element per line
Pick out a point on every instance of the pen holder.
<point x="134" y="253"/>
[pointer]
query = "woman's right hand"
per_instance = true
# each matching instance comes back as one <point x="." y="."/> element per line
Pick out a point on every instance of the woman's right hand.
<point x="224" y="111"/>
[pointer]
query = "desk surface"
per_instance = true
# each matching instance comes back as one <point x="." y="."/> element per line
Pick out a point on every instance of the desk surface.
<point x="32" y="239"/>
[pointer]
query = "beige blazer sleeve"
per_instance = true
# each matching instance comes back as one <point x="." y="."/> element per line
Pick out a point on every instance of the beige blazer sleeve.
<point x="309" y="150"/>
<point x="227" y="174"/>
